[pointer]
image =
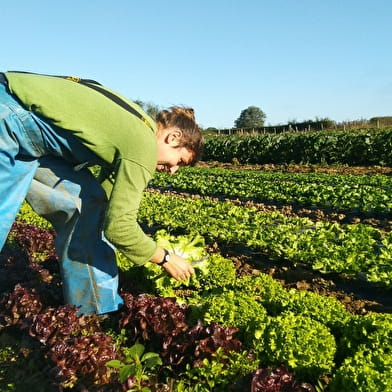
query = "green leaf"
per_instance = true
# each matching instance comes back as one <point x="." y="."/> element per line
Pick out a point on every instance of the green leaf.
<point x="115" y="363"/>
<point x="136" y="351"/>
<point x="258" y="333"/>
<point x="149" y="355"/>
<point x="127" y="371"/>
<point x="152" y="361"/>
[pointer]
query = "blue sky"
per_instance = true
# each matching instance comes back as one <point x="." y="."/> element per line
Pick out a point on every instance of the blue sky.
<point x="294" y="59"/>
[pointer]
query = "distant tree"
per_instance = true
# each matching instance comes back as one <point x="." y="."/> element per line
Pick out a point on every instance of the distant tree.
<point x="326" y="122"/>
<point x="251" y="117"/>
<point x="150" y="108"/>
<point x="317" y="124"/>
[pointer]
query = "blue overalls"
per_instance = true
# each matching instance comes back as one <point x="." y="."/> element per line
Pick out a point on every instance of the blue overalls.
<point x="45" y="166"/>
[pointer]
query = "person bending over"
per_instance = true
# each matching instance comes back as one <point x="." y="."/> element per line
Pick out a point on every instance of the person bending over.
<point x="52" y="128"/>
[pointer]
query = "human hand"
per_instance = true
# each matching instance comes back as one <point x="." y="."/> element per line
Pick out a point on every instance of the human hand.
<point x="178" y="267"/>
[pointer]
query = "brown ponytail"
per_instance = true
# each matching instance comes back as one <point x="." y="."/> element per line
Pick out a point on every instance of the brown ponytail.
<point x="183" y="119"/>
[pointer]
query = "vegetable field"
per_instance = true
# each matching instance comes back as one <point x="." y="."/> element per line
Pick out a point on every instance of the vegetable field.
<point x="292" y="290"/>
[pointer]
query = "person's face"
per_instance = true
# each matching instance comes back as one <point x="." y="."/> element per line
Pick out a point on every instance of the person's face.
<point x="170" y="156"/>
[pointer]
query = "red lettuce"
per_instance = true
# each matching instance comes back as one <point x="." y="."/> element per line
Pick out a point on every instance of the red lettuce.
<point x="277" y="380"/>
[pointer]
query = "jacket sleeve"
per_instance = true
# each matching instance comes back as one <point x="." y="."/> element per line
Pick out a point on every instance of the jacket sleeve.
<point x="125" y="190"/>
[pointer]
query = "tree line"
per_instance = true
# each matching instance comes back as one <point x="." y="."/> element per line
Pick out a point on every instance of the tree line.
<point x="252" y="120"/>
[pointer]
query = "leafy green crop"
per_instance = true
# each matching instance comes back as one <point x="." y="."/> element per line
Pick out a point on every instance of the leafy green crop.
<point x="217" y="373"/>
<point x="327" y="310"/>
<point x="362" y="147"/>
<point x="235" y="308"/>
<point x="191" y="248"/>
<point x="341" y="192"/>
<point x="136" y="367"/>
<point x="301" y="343"/>
<point x="328" y="247"/>
<point x="265" y="290"/>
<point x="211" y="271"/>
<point x="373" y="330"/>
<point x="367" y="371"/>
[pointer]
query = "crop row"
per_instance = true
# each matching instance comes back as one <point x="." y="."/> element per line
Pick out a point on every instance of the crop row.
<point x="359" y="250"/>
<point x="366" y="194"/>
<point x="363" y="148"/>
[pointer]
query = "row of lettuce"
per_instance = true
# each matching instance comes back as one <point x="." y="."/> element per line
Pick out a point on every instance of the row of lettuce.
<point x="358" y="250"/>
<point x="314" y="336"/>
<point x="360" y="147"/>
<point x="352" y="193"/>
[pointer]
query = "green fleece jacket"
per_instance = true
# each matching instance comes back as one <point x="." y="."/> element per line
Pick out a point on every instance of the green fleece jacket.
<point x="122" y="140"/>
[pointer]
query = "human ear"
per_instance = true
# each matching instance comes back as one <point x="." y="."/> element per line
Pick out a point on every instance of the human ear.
<point x="174" y="137"/>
